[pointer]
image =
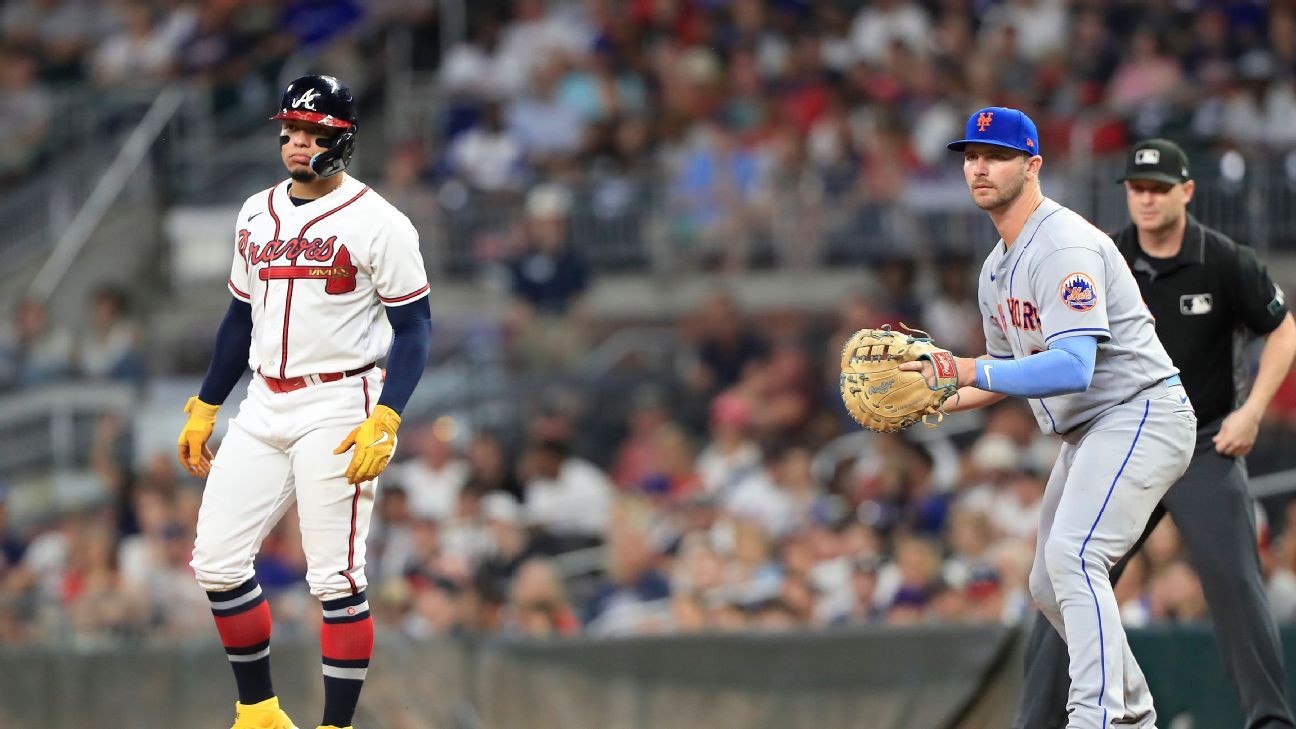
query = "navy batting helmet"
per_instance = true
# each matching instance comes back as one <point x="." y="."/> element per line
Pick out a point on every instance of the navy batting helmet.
<point x="325" y="101"/>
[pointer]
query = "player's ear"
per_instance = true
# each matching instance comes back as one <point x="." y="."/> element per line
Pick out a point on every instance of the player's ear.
<point x="1189" y="186"/>
<point x="1033" y="165"/>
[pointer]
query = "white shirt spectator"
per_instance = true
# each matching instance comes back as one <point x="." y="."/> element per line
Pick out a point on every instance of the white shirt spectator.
<point x="433" y="493"/>
<point x="100" y="352"/>
<point x="576" y="503"/>
<point x="488" y="160"/>
<point x="721" y="472"/>
<point x="880" y="23"/>
<point x="1041" y="25"/>
<point x="758" y="498"/>
<point x="469" y="71"/>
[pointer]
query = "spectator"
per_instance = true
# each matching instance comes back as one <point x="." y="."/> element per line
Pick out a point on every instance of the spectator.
<point x="34" y="351"/>
<point x="567" y="498"/>
<point x="549" y="276"/>
<point x="390" y="536"/>
<point x="724" y="344"/>
<point x="100" y="601"/>
<point x="713" y="196"/>
<point x="434" y="478"/>
<point x="137" y="54"/>
<point x="731" y="456"/>
<point x="27" y="108"/>
<point x="545" y="128"/>
<point x="489" y="466"/>
<point x="914" y="582"/>
<point x="635" y="598"/>
<point x="489" y="157"/>
<point x="538" y="605"/>
<point x="951" y="315"/>
<point x="109" y="350"/>
<point x="509" y="544"/>
<point x="547" y="280"/>
<point x="884" y="22"/>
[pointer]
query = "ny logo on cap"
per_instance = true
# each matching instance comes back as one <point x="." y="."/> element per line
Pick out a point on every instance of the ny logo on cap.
<point x="984" y="119"/>
<point x="307" y="99"/>
<point x="1147" y="157"/>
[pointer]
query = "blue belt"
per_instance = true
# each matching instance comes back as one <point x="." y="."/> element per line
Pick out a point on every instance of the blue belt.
<point x="1173" y="380"/>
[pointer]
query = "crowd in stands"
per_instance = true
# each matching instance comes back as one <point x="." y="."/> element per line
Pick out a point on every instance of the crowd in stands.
<point x="731" y="494"/>
<point x="735" y="495"/>
<point x="754" y="130"/>
<point x="107" y="346"/>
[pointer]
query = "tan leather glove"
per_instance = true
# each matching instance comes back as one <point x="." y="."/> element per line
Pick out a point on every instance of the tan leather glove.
<point x="374" y="441"/>
<point x="194" y="454"/>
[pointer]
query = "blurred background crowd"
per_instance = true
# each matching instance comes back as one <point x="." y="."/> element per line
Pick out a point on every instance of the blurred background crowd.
<point x="722" y="488"/>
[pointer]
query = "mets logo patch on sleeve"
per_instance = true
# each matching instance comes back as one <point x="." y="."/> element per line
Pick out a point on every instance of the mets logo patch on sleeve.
<point x="1078" y="292"/>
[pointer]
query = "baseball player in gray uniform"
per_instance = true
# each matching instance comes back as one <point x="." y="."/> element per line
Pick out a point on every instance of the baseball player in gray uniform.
<point x="1204" y="290"/>
<point x="1065" y="326"/>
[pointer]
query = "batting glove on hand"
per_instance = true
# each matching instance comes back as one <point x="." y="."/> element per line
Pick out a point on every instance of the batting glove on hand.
<point x="374" y="441"/>
<point x="194" y="454"/>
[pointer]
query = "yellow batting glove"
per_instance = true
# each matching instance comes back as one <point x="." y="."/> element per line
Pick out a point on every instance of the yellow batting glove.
<point x="194" y="454"/>
<point x="374" y="441"/>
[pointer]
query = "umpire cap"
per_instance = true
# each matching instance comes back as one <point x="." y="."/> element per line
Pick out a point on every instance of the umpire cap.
<point x="1159" y="160"/>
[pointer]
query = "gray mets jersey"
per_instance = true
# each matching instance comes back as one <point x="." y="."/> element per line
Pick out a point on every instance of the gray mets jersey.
<point x="1063" y="278"/>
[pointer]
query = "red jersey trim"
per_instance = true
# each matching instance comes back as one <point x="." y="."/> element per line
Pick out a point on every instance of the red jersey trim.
<point x="283" y="353"/>
<point x="406" y="297"/>
<point x="238" y="293"/>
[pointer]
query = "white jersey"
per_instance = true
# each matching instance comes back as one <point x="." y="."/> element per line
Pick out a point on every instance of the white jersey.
<point x="352" y="252"/>
<point x="1063" y="278"/>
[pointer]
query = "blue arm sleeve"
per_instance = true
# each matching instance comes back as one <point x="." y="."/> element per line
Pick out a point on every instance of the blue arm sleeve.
<point x="411" y="343"/>
<point x="233" y="339"/>
<point x="1067" y="367"/>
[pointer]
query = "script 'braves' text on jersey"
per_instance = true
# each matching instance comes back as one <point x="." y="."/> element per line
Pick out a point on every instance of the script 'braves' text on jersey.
<point x="315" y="275"/>
<point x="1063" y="277"/>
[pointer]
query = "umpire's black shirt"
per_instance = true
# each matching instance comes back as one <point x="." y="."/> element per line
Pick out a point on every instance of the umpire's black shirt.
<point x="1206" y="299"/>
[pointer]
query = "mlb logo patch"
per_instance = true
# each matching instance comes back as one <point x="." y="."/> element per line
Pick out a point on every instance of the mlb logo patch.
<point x="1078" y="292"/>
<point x="1147" y="157"/>
<point x="1196" y="304"/>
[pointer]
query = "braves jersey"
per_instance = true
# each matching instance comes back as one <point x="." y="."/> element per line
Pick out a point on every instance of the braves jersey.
<point x="318" y="276"/>
<point x="1064" y="278"/>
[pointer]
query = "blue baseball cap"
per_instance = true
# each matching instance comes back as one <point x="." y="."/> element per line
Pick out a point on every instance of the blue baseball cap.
<point x="1002" y="127"/>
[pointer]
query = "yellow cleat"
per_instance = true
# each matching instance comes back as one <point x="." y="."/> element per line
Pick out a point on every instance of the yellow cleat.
<point x="262" y="715"/>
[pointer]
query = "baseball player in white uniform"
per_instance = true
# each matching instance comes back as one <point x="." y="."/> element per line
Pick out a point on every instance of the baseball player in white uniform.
<point x="327" y="279"/>
<point x="1065" y="326"/>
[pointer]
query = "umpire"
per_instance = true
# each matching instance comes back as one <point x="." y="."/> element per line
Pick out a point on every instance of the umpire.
<point x="1204" y="291"/>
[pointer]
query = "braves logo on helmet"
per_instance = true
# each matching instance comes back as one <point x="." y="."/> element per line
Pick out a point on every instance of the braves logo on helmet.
<point x="325" y="101"/>
<point x="306" y="100"/>
<point x="1078" y="292"/>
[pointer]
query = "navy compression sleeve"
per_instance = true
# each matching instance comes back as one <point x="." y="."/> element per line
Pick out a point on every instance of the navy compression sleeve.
<point x="229" y="360"/>
<point x="1066" y="367"/>
<point x="411" y="342"/>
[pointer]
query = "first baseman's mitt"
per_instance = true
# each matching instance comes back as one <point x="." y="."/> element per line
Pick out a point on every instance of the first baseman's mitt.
<point x="878" y="394"/>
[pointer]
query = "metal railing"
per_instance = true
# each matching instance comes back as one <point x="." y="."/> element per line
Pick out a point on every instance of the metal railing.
<point x="52" y="428"/>
<point x="106" y="191"/>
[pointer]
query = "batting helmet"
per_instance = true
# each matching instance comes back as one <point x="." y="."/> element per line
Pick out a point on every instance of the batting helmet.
<point x="325" y="101"/>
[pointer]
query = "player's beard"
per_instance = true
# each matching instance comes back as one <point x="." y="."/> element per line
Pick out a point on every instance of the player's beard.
<point x="1004" y="195"/>
<point x="303" y="176"/>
